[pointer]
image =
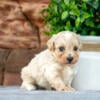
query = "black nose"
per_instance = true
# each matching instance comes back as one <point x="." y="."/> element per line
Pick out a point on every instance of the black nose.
<point x="70" y="59"/>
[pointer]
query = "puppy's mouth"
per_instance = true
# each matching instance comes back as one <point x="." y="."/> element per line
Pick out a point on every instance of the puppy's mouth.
<point x="70" y="63"/>
<point x="67" y="63"/>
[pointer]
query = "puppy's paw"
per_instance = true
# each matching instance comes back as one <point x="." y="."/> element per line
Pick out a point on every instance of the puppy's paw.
<point x="68" y="89"/>
<point x="28" y="87"/>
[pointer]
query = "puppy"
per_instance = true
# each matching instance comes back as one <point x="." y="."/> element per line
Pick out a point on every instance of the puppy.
<point x="53" y="68"/>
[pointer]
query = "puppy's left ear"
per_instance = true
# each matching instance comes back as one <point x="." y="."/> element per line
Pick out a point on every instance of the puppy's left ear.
<point x="79" y="41"/>
<point x="51" y="44"/>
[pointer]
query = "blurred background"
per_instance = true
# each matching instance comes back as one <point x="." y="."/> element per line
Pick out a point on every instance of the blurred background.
<point x="21" y="36"/>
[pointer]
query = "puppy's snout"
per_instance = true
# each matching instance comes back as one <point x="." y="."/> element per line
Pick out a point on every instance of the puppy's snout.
<point x="69" y="59"/>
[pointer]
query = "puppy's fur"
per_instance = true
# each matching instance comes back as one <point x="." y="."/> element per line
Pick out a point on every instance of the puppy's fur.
<point x="51" y="68"/>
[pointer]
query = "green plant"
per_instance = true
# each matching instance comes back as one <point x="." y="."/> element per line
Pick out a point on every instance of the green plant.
<point x="81" y="16"/>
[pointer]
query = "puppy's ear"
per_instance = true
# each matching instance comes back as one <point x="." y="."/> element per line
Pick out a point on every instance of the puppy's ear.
<point x="80" y="44"/>
<point x="51" y="44"/>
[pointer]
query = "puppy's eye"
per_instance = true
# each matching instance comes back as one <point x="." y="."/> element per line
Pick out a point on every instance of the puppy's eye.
<point x="75" y="48"/>
<point x="61" y="49"/>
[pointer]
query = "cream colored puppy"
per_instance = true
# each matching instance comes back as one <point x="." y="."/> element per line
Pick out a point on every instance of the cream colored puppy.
<point x="53" y="68"/>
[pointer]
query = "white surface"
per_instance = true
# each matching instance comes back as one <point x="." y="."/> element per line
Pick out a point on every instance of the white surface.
<point x="90" y="39"/>
<point x="88" y="72"/>
<point x="15" y="93"/>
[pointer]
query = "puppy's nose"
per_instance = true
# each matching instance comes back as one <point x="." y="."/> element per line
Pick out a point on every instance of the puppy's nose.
<point x="70" y="59"/>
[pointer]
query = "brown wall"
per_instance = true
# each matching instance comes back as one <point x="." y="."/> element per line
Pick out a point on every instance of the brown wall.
<point x="21" y="36"/>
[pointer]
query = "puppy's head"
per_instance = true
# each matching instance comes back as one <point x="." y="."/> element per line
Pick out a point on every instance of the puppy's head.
<point x="65" y="47"/>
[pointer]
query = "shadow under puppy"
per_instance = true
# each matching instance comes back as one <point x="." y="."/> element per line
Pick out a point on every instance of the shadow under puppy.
<point x="53" y="67"/>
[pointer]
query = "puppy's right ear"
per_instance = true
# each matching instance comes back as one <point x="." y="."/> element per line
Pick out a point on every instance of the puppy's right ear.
<point x="51" y="44"/>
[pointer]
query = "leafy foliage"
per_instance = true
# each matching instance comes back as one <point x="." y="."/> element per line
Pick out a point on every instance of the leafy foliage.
<point x="81" y="16"/>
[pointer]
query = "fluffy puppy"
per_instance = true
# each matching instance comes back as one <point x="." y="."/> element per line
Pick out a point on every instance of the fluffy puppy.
<point x="53" y="68"/>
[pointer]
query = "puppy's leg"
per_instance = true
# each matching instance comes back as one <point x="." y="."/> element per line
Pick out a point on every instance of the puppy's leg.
<point x="56" y="82"/>
<point x="28" y="80"/>
<point x="69" y="86"/>
<point x="28" y="86"/>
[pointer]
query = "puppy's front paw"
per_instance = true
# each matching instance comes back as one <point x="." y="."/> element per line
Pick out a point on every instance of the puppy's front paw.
<point x="28" y="87"/>
<point x="68" y="89"/>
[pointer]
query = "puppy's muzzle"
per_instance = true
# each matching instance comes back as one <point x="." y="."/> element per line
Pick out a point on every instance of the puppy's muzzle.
<point x="70" y="59"/>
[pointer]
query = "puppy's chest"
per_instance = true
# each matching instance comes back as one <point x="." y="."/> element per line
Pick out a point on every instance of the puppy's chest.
<point x="67" y="75"/>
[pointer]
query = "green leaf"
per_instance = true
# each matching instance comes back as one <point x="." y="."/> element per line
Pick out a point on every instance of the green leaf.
<point x="89" y="22"/>
<point x="54" y="20"/>
<point x="74" y="29"/>
<point x="84" y="6"/>
<point x="82" y="19"/>
<point x="68" y="25"/>
<point x="86" y="15"/>
<point x="55" y="9"/>
<point x="72" y="5"/>
<point x="64" y="15"/>
<point x="93" y="3"/>
<point x="92" y="33"/>
<point x="75" y="11"/>
<point x="66" y="2"/>
<point x="86" y="0"/>
<point x="98" y="26"/>
<point x="77" y="22"/>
